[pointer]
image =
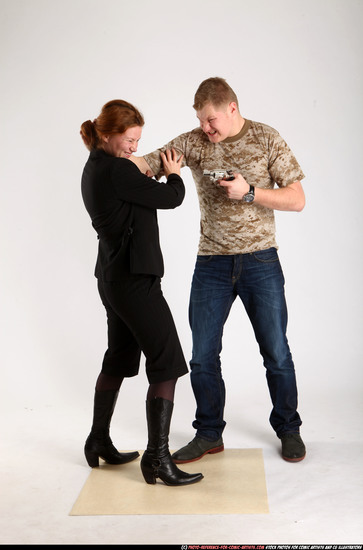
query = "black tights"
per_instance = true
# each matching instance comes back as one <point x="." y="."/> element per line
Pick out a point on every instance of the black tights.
<point x="160" y="389"/>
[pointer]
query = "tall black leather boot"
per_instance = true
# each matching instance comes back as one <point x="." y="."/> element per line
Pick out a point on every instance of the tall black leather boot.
<point x="156" y="460"/>
<point x="98" y="443"/>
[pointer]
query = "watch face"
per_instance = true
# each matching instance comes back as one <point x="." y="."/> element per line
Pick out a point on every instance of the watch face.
<point x="249" y="197"/>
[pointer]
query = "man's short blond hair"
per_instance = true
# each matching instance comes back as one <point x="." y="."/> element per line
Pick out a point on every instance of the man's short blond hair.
<point x="214" y="90"/>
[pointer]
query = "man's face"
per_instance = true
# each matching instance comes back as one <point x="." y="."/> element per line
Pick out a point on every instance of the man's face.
<point x="217" y="122"/>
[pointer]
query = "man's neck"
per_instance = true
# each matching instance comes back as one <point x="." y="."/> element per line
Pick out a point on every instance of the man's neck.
<point x="237" y="127"/>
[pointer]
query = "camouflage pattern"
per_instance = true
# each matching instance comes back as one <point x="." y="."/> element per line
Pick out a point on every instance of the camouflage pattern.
<point x="262" y="157"/>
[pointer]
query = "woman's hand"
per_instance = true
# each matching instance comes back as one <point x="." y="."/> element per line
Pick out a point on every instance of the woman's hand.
<point x="171" y="163"/>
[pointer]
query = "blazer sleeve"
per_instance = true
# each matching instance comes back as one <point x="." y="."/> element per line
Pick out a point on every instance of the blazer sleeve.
<point x="133" y="186"/>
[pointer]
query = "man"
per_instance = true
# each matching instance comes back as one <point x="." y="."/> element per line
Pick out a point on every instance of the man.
<point x="237" y="256"/>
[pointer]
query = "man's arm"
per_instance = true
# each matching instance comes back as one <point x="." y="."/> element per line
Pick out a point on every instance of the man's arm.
<point x="142" y="165"/>
<point x="290" y="198"/>
<point x="151" y="163"/>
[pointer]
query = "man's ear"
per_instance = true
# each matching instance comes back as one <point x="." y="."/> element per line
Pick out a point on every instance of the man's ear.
<point x="233" y="107"/>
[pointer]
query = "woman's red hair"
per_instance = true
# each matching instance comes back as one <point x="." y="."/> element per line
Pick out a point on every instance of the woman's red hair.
<point x="115" y="118"/>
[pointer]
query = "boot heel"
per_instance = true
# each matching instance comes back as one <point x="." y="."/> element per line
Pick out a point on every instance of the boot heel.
<point x="92" y="459"/>
<point x="147" y="469"/>
<point x="149" y="475"/>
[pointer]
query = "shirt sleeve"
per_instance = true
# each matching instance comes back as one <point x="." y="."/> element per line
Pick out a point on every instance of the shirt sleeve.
<point x="283" y="166"/>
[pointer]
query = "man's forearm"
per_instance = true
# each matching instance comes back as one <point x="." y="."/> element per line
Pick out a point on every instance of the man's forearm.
<point x="142" y="165"/>
<point x="290" y="198"/>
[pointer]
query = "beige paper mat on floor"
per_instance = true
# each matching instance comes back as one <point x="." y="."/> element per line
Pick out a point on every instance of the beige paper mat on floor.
<point x="234" y="483"/>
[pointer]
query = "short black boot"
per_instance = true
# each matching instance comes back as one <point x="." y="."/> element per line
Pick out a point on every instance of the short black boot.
<point x="156" y="460"/>
<point x="98" y="443"/>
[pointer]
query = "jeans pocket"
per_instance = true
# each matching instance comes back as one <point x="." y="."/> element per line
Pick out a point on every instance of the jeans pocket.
<point x="266" y="256"/>
<point x="204" y="259"/>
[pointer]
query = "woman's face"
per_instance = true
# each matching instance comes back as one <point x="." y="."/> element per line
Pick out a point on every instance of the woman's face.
<point x="123" y="145"/>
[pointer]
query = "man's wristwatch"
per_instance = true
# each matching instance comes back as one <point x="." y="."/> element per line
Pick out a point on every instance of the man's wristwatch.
<point x="250" y="195"/>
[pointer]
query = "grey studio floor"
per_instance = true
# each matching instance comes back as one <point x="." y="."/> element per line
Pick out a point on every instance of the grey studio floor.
<point x="317" y="501"/>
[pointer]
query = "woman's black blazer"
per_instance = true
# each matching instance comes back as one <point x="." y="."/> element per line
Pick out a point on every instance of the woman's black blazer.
<point x="122" y="204"/>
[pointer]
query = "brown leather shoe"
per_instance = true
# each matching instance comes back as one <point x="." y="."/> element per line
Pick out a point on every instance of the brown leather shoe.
<point x="196" y="449"/>
<point x="293" y="448"/>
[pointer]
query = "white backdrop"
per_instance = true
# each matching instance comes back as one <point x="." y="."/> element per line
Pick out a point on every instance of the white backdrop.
<point x="295" y="65"/>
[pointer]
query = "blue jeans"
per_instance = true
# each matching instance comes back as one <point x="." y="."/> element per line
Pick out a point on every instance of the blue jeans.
<point x="258" y="280"/>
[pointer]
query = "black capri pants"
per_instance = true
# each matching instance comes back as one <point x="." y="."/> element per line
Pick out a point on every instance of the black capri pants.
<point x="139" y="320"/>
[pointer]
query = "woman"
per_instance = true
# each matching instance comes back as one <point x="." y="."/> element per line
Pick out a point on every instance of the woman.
<point x="122" y="203"/>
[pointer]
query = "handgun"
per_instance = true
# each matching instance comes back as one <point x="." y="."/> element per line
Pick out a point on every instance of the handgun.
<point x="219" y="174"/>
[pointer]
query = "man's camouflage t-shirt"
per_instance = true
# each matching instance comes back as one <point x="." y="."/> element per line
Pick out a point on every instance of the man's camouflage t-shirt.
<point x="258" y="152"/>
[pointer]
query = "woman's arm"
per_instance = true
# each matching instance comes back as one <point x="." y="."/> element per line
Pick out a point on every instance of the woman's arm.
<point x="133" y="186"/>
